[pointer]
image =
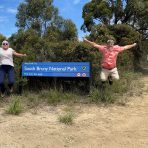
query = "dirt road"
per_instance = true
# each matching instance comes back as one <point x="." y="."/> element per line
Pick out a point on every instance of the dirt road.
<point x="94" y="126"/>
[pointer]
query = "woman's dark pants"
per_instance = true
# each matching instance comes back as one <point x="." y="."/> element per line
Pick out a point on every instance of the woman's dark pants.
<point x="9" y="71"/>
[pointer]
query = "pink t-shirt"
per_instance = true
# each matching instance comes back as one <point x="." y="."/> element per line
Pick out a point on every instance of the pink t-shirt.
<point x="109" y="55"/>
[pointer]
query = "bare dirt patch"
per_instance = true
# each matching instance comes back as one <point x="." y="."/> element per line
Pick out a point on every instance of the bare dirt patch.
<point x="94" y="126"/>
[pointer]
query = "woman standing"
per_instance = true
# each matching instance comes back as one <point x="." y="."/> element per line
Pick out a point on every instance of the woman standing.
<point x="7" y="66"/>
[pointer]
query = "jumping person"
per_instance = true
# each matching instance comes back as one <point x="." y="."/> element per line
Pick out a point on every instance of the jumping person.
<point x="110" y="52"/>
<point x="7" y="66"/>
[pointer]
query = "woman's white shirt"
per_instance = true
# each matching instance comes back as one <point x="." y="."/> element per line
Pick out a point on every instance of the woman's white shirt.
<point x="6" y="56"/>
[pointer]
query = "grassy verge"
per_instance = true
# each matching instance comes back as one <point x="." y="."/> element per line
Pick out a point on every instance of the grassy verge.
<point x="129" y="85"/>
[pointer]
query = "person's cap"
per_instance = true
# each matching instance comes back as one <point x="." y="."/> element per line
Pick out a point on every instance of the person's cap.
<point x="5" y="42"/>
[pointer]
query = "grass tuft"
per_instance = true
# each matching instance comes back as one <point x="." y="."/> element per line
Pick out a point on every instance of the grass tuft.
<point x="66" y="118"/>
<point x="15" y="107"/>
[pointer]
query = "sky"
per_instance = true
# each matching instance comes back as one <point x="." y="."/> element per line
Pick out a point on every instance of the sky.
<point x="68" y="9"/>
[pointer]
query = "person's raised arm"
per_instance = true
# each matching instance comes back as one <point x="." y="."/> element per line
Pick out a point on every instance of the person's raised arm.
<point x="129" y="46"/>
<point x="19" y="54"/>
<point x="92" y="43"/>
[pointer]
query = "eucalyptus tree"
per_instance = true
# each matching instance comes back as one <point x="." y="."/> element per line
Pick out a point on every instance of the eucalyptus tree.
<point x="36" y="14"/>
<point x="41" y="16"/>
<point x="111" y="12"/>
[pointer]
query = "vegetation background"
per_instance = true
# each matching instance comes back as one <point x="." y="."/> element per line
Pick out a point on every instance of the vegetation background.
<point x="45" y="36"/>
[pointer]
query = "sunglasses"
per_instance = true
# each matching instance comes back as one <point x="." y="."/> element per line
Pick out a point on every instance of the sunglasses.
<point x="5" y="43"/>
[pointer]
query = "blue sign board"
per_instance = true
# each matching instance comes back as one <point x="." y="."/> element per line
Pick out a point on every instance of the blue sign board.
<point x="56" y="69"/>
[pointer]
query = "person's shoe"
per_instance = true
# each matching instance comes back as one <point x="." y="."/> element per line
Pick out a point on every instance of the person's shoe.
<point x="11" y="90"/>
<point x="2" y="95"/>
<point x="110" y="80"/>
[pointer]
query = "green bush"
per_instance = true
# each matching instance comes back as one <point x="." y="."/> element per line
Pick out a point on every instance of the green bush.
<point x="128" y="84"/>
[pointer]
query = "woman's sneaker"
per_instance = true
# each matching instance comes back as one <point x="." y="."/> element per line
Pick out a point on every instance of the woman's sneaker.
<point x="2" y="95"/>
<point x="11" y="90"/>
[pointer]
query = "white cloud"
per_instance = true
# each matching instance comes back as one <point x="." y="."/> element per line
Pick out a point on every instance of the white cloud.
<point x="11" y="10"/>
<point x="76" y="2"/>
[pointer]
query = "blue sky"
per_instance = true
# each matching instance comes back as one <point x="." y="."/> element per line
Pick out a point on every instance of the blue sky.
<point x="68" y="9"/>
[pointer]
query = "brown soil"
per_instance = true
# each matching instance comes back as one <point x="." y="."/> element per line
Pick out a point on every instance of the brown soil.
<point x="94" y="126"/>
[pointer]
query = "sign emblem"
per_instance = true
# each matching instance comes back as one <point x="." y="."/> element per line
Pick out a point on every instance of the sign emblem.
<point x="84" y="67"/>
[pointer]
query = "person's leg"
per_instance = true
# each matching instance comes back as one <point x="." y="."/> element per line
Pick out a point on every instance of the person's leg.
<point x="2" y="75"/>
<point x="104" y="77"/>
<point x="110" y="80"/>
<point x="10" y="77"/>
<point x="114" y="74"/>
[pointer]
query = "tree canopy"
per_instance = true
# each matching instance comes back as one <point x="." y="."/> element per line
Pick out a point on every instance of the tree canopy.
<point x="43" y="16"/>
<point x="2" y="38"/>
<point x="110" y="12"/>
